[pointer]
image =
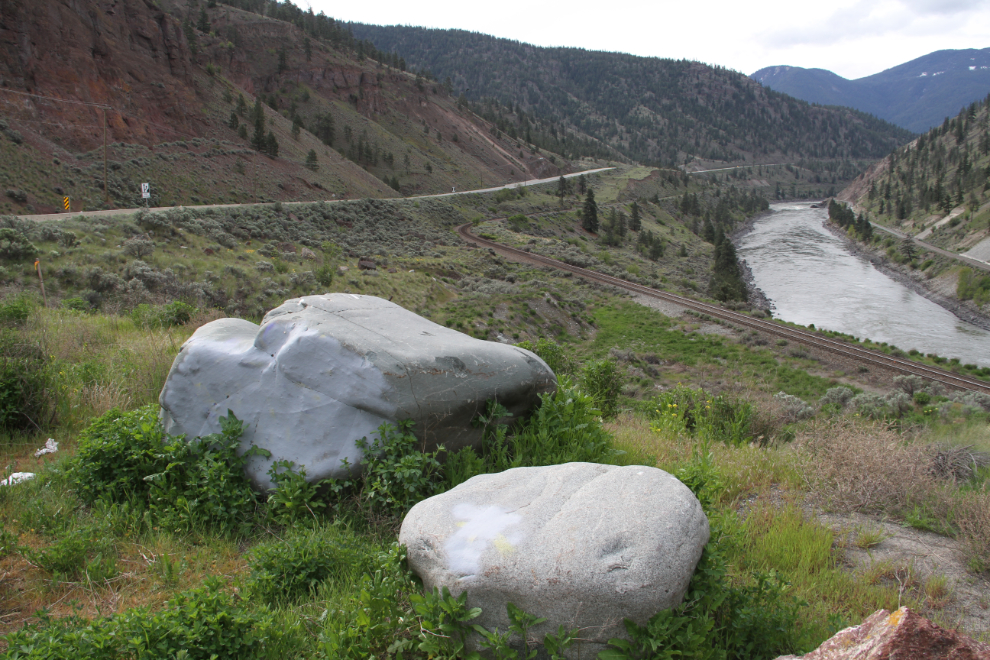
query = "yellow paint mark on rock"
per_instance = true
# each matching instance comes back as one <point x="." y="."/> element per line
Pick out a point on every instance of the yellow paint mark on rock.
<point x="896" y="617"/>
<point x="503" y="546"/>
<point x="460" y="523"/>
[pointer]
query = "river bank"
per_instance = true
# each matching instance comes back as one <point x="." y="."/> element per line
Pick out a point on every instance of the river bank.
<point x="757" y="297"/>
<point x="911" y="279"/>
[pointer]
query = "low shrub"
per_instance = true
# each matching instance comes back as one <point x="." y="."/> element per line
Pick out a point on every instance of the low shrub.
<point x="681" y="410"/>
<point x="397" y="474"/>
<point x="564" y="428"/>
<point x="27" y="385"/>
<point x="289" y="570"/>
<point x="553" y="354"/>
<point x="162" y="316"/>
<point x="718" y="619"/>
<point x="15" y="310"/>
<point x="184" y="484"/>
<point x="868" y="468"/>
<point x="601" y="380"/>
<point x="14" y="246"/>
<point x="200" y="624"/>
<point x="836" y="396"/>
<point x="793" y="408"/>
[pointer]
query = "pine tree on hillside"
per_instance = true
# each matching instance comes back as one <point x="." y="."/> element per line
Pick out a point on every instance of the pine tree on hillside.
<point x="187" y="29"/>
<point x="271" y="145"/>
<point x="258" y="140"/>
<point x="589" y="215"/>
<point x="635" y="224"/>
<point x="726" y="283"/>
<point x="203" y="25"/>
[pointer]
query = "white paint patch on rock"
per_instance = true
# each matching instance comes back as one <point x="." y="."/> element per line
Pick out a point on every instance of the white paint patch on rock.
<point x="322" y="372"/>
<point x="581" y="544"/>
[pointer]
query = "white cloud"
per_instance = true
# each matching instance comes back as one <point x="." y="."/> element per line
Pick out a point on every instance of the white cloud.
<point x="853" y="38"/>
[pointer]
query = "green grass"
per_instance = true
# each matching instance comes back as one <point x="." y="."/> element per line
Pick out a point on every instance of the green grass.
<point x="640" y="329"/>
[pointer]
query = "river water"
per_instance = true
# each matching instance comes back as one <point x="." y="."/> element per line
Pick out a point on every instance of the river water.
<point x="811" y="276"/>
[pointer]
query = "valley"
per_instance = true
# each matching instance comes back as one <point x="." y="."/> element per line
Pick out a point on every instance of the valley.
<point x="590" y="212"/>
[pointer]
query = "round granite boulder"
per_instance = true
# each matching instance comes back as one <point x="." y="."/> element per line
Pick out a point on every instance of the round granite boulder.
<point x="322" y="372"/>
<point x="582" y="545"/>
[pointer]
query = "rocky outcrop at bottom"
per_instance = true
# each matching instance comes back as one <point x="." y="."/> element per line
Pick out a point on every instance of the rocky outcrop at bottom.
<point x="903" y="634"/>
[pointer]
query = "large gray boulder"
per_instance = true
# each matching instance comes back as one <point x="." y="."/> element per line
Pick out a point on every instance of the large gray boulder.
<point x="581" y="544"/>
<point x="321" y="372"/>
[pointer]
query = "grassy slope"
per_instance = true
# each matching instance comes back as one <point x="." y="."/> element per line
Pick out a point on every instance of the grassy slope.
<point x="100" y="360"/>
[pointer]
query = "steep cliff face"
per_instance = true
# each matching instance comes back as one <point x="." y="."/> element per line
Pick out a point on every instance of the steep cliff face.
<point x="170" y="89"/>
<point x="131" y="56"/>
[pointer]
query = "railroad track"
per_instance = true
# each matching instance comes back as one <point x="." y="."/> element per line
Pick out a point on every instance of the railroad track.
<point x="857" y="353"/>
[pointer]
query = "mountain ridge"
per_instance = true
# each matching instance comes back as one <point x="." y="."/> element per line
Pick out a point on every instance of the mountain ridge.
<point x="916" y="95"/>
<point x="655" y="111"/>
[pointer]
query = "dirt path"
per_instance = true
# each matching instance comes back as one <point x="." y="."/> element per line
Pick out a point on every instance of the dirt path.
<point x="907" y="558"/>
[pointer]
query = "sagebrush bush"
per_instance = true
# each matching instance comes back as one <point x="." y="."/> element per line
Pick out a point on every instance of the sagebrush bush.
<point x="794" y="408"/>
<point x="836" y="396"/>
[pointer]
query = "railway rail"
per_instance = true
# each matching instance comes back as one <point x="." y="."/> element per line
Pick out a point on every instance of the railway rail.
<point x="864" y="355"/>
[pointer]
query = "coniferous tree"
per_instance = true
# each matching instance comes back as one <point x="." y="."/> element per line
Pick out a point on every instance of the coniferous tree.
<point x="233" y="122"/>
<point x="311" y="160"/>
<point x="187" y="29"/>
<point x="271" y="145"/>
<point x="258" y="140"/>
<point x="726" y="283"/>
<point x="241" y="106"/>
<point x="203" y="25"/>
<point x="589" y="215"/>
<point x="635" y="224"/>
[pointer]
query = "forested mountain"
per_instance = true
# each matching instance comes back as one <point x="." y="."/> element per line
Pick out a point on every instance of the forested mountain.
<point x="916" y="95"/>
<point x="936" y="188"/>
<point x="650" y="110"/>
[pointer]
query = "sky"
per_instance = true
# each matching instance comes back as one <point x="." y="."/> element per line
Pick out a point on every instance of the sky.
<point x="853" y="38"/>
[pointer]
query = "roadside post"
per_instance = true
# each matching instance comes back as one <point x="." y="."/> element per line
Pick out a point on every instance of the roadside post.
<point x="146" y="194"/>
<point x="37" y="267"/>
<point x="65" y="203"/>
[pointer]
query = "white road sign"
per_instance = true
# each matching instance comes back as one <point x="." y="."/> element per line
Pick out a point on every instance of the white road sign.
<point x="146" y="190"/>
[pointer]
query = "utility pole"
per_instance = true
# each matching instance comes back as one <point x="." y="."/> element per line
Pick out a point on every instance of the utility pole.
<point x="106" y="195"/>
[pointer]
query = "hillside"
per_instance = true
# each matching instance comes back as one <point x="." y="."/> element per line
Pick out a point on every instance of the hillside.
<point x="755" y="425"/>
<point x="649" y="110"/>
<point x="937" y="190"/>
<point x="916" y="95"/>
<point x="179" y="83"/>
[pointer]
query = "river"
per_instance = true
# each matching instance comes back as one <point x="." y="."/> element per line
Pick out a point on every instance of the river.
<point x="811" y="276"/>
